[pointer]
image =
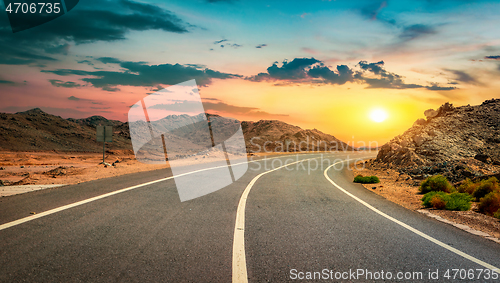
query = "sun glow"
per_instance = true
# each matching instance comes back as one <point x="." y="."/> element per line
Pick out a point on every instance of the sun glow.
<point x="378" y="115"/>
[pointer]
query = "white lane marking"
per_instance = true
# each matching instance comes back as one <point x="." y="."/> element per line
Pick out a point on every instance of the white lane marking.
<point x="239" y="259"/>
<point x="58" y="209"/>
<point x="437" y="242"/>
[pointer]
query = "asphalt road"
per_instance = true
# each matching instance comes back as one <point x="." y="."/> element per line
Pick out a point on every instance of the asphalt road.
<point x="295" y="221"/>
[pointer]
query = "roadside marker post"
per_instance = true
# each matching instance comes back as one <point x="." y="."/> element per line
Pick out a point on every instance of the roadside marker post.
<point x="104" y="134"/>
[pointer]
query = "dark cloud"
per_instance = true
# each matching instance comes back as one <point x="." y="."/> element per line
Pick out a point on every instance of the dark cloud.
<point x="86" y="62"/>
<point x="59" y="83"/>
<point x="376" y="76"/>
<point x="109" y="88"/>
<point x="226" y="43"/>
<point x="157" y="88"/>
<point x="463" y="77"/>
<point x="261" y="46"/>
<point x="371" y="11"/>
<point x="143" y="8"/>
<point x="68" y="72"/>
<point x="496" y="57"/>
<point x="197" y="66"/>
<point x="91" y="21"/>
<point x="295" y="70"/>
<point x="108" y="60"/>
<point x="141" y="74"/>
<point x="383" y="78"/>
<point x="305" y="70"/>
<point x="100" y="25"/>
<point x="6" y="82"/>
<point x="344" y="74"/>
<point x="415" y="31"/>
<point x="437" y="87"/>
<point x="313" y="71"/>
<point x="24" y="55"/>
<point x="376" y="68"/>
<point x="74" y="98"/>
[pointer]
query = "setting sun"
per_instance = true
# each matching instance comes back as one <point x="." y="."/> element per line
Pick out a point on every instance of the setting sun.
<point x="378" y="115"/>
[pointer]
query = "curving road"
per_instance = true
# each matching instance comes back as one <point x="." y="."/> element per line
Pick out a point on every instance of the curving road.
<point x="300" y="220"/>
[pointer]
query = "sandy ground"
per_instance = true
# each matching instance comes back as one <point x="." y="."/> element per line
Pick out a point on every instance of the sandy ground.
<point x="401" y="191"/>
<point x="47" y="168"/>
<point x="58" y="168"/>
<point x="27" y="171"/>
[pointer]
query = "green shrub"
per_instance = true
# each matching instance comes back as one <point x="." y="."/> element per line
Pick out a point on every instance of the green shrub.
<point x="432" y="197"/>
<point x="366" y="180"/>
<point x="459" y="201"/>
<point x="467" y="187"/>
<point x="436" y="183"/>
<point x="442" y="200"/>
<point x="438" y="202"/>
<point x="490" y="204"/>
<point x="497" y="214"/>
<point x="485" y="187"/>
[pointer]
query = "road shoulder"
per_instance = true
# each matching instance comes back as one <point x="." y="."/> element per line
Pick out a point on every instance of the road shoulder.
<point x="402" y="191"/>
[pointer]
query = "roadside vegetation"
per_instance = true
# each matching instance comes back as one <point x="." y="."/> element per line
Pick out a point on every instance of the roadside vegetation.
<point x="440" y="194"/>
<point x="366" y="180"/>
<point x="437" y="183"/>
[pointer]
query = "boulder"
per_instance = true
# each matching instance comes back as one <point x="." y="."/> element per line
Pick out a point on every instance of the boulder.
<point x="430" y="113"/>
<point x="483" y="158"/>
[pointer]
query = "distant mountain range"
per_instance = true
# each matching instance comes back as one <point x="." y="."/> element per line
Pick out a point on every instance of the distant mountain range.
<point x="35" y="130"/>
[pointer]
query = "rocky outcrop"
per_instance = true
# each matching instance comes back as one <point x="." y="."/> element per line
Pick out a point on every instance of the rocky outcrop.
<point x="448" y="137"/>
<point x="277" y="136"/>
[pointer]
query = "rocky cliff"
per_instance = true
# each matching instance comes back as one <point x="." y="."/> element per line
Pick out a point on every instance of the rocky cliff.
<point x="458" y="142"/>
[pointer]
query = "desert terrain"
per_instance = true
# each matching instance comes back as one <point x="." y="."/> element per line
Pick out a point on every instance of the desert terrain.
<point x="37" y="148"/>
<point x="456" y="142"/>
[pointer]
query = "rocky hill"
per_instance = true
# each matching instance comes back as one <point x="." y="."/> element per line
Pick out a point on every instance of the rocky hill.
<point x="281" y="137"/>
<point x="458" y="142"/>
<point x="35" y="130"/>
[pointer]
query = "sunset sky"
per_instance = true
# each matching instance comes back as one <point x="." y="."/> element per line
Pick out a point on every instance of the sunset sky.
<point x="315" y="64"/>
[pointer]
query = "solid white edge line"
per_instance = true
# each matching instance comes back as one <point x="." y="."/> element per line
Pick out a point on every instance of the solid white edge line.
<point x="437" y="242"/>
<point x="61" y="208"/>
<point x="239" y="273"/>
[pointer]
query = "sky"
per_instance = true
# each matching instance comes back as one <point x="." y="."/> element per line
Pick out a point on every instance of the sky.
<point x="315" y="64"/>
